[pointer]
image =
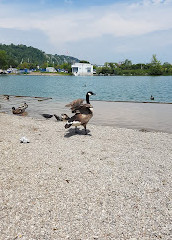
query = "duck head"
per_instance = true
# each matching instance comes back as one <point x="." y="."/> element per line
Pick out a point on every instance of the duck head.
<point x="64" y="117"/>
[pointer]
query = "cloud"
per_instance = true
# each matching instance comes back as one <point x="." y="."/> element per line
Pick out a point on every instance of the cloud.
<point x="116" y="20"/>
<point x="154" y="2"/>
<point x="65" y="26"/>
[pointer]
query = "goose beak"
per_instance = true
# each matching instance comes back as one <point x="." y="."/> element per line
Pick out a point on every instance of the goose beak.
<point x="94" y="94"/>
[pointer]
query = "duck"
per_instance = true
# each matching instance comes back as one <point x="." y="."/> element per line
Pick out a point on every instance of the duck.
<point x="83" y="112"/>
<point x="21" y="109"/>
<point x="17" y="110"/>
<point x="6" y="97"/>
<point x="151" y="98"/>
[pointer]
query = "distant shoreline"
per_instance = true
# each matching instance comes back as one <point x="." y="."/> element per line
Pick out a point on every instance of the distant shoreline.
<point x="37" y="74"/>
<point x="42" y="74"/>
<point x="68" y="74"/>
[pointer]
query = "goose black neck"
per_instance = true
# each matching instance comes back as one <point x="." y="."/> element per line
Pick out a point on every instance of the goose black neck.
<point x="87" y="99"/>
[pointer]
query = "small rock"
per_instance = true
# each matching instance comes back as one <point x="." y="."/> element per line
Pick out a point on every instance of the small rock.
<point x="24" y="140"/>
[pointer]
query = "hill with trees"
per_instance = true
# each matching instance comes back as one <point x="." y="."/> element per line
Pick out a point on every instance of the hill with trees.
<point x="17" y="55"/>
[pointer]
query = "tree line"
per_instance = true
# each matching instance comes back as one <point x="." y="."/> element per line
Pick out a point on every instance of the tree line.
<point x="154" y="68"/>
<point x="23" y="57"/>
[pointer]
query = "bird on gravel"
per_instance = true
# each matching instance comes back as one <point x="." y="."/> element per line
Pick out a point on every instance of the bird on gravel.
<point x="47" y="116"/>
<point x="83" y="112"/>
<point x="63" y="117"/>
<point x="17" y="110"/>
<point x="21" y="109"/>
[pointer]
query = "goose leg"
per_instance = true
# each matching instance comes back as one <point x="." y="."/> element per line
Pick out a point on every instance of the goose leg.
<point x="85" y="129"/>
<point x="76" y="129"/>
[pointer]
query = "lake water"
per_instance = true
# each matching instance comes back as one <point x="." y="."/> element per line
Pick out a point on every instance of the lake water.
<point x="107" y="88"/>
<point x="110" y="90"/>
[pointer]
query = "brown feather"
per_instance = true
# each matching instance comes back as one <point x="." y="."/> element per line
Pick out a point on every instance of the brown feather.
<point x="18" y="111"/>
<point x="75" y="104"/>
<point x="83" y="112"/>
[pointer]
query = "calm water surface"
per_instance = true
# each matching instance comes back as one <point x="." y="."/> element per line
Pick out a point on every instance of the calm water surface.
<point x="151" y="116"/>
<point x="107" y="88"/>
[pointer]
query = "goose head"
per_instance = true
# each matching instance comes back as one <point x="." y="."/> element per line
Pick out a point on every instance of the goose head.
<point x="88" y="95"/>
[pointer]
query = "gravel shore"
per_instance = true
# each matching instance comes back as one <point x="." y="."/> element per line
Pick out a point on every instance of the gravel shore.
<point x="112" y="184"/>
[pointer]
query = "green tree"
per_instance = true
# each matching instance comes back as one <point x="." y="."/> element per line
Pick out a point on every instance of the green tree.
<point x="155" y="66"/>
<point x="44" y="65"/>
<point x="167" y="68"/>
<point x="24" y="65"/>
<point x="3" y="59"/>
<point x="155" y="61"/>
<point x="67" y="67"/>
<point x="126" y="65"/>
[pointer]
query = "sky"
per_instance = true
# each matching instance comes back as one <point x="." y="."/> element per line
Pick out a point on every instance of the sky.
<point x="98" y="31"/>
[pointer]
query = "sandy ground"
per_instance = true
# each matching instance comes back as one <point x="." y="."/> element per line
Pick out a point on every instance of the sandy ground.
<point x="110" y="184"/>
<point x="44" y="74"/>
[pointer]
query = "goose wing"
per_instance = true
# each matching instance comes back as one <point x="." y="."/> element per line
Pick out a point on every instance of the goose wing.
<point x="84" y="109"/>
<point x="75" y="104"/>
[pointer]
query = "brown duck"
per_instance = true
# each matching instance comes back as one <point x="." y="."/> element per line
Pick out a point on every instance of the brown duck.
<point x="21" y="109"/>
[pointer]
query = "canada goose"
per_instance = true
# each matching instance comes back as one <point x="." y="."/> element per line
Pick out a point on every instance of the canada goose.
<point x="63" y="117"/>
<point x="83" y="112"/>
<point x="151" y="98"/>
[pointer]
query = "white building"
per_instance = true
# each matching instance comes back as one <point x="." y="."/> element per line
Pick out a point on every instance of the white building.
<point x="12" y="70"/>
<point x="51" y="69"/>
<point x="82" y="69"/>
